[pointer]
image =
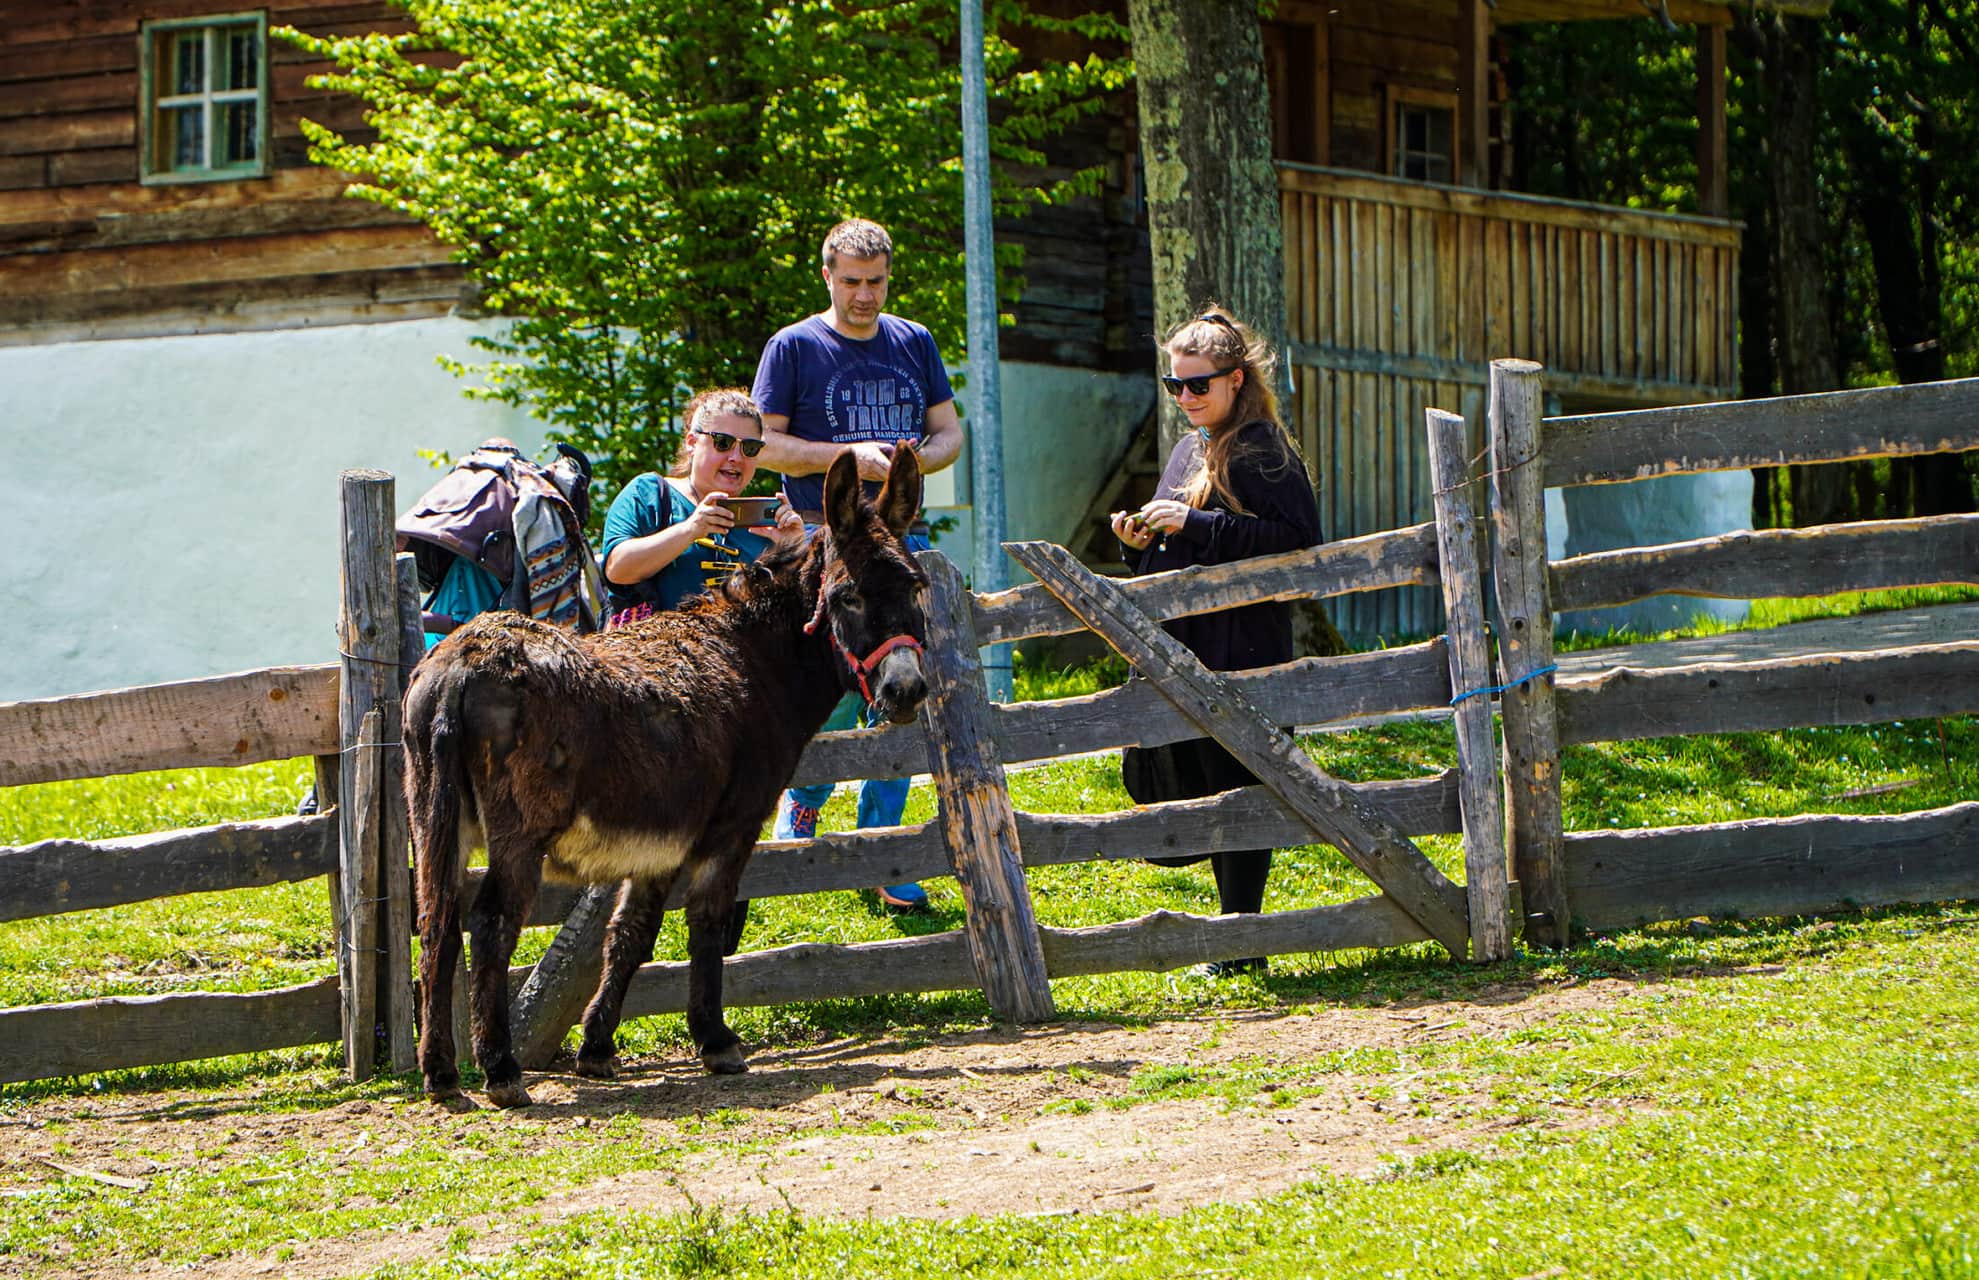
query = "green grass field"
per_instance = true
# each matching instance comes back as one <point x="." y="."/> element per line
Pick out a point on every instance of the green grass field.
<point x="1796" y="1096"/>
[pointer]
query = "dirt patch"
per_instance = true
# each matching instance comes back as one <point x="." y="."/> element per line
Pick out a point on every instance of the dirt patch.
<point x="1071" y="1118"/>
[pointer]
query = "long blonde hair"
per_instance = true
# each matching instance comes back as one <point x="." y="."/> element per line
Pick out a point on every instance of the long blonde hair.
<point x="1218" y="336"/>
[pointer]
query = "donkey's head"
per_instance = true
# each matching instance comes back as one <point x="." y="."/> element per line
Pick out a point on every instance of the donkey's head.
<point x="871" y="592"/>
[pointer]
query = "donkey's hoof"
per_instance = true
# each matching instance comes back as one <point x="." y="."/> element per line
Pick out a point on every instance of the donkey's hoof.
<point x="598" y="1068"/>
<point x="442" y="1093"/>
<point x="509" y="1094"/>
<point x="725" y="1062"/>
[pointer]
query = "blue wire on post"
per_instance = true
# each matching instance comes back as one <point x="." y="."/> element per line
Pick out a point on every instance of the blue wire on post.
<point x="1500" y="688"/>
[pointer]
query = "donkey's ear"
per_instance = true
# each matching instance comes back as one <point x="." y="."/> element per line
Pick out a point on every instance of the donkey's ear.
<point x="842" y="495"/>
<point x="900" y="500"/>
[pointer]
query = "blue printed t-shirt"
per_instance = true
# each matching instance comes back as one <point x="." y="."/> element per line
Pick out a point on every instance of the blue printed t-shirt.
<point x="848" y="390"/>
<point x="648" y="505"/>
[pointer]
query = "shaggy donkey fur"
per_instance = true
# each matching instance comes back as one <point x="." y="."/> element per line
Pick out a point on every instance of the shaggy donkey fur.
<point x="649" y="755"/>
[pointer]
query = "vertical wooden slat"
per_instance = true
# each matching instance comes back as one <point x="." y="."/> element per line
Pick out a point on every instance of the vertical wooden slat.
<point x="395" y="836"/>
<point x="363" y="801"/>
<point x="1474" y="293"/>
<point x="1496" y="303"/>
<point x="1444" y="283"/>
<point x="1610" y="306"/>
<point x="1366" y="283"/>
<point x="1683" y="315"/>
<point x="369" y="639"/>
<point x="1518" y="294"/>
<point x="1340" y="212"/>
<point x="1470" y="672"/>
<point x="976" y="816"/>
<point x="1525" y="648"/>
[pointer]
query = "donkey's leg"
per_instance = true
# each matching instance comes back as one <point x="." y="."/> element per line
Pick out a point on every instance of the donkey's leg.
<point x="629" y="940"/>
<point x="439" y="953"/>
<point x="713" y="925"/>
<point x="508" y="894"/>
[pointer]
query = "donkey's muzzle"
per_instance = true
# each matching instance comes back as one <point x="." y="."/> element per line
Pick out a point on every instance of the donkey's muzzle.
<point x="901" y="686"/>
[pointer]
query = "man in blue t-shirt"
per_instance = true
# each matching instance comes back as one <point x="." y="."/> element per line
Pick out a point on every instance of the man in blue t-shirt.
<point x="853" y="377"/>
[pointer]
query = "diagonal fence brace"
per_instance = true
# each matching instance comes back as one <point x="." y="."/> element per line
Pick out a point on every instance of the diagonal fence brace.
<point x="1330" y="807"/>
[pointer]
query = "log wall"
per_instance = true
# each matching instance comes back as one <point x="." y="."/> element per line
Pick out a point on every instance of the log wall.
<point x="86" y="251"/>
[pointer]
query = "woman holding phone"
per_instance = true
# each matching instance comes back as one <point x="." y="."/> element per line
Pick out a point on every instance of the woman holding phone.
<point x="1234" y="487"/>
<point x="674" y="536"/>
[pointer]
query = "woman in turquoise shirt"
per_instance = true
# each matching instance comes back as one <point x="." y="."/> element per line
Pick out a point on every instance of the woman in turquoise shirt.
<point x="674" y="536"/>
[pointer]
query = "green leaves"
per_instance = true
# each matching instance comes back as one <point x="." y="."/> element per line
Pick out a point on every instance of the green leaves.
<point x="643" y="187"/>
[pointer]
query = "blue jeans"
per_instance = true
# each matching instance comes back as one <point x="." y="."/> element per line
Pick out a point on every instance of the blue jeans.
<point x="881" y="800"/>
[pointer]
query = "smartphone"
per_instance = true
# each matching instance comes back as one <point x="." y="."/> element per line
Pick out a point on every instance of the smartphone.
<point x="754" y="511"/>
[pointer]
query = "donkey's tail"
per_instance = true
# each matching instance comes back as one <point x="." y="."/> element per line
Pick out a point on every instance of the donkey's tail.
<point x="437" y="784"/>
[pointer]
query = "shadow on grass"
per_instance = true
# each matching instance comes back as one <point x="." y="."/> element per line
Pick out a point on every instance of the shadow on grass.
<point x="665" y="1080"/>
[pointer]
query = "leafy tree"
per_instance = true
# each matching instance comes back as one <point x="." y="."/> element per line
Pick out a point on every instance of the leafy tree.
<point x="643" y="185"/>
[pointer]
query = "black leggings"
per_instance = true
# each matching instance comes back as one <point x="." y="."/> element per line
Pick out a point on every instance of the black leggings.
<point x="1184" y="771"/>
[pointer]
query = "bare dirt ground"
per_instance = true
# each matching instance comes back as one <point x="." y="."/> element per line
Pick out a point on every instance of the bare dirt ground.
<point x="1000" y="1121"/>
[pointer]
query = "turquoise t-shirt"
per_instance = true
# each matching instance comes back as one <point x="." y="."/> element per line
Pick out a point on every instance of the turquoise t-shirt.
<point x="466" y="591"/>
<point x="648" y="505"/>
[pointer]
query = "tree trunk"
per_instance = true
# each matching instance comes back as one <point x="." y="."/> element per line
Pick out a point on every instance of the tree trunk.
<point x="1895" y="203"/>
<point x="1212" y="191"/>
<point x="1803" y="329"/>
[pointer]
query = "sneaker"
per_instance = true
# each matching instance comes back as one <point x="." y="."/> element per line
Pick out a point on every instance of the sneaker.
<point x="795" y="821"/>
<point x="1232" y="968"/>
<point x="903" y="897"/>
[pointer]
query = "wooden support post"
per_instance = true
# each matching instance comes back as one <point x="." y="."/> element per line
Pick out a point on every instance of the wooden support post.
<point x="1525" y="646"/>
<point x="1330" y="807"/>
<point x="977" y="820"/>
<point x="1473" y="94"/>
<point x="1470" y="672"/>
<point x="369" y="681"/>
<point x="563" y="981"/>
<point x="1713" y="184"/>
<point x="395" y="837"/>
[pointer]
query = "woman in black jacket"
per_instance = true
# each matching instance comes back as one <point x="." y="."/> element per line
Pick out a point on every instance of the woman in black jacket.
<point x="1234" y="487"/>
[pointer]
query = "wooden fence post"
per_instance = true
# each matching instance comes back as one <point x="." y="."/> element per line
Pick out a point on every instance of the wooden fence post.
<point x="977" y="821"/>
<point x="1470" y="674"/>
<point x="369" y="682"/>
<point x="1525" y="649"/>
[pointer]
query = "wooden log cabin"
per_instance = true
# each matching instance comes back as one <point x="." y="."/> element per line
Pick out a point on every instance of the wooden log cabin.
<point x="1407" y="268"/>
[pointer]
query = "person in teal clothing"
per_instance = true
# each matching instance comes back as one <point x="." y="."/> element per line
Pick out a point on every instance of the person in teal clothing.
<point x="674" y="536"/>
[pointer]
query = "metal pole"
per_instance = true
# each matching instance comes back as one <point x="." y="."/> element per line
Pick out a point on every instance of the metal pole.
<point x="986" y="431"/>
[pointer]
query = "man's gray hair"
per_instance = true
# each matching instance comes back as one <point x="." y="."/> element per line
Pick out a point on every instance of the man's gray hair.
<point x="857" y="238"/>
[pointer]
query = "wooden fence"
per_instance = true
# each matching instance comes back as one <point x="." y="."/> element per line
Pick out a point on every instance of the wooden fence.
<point x="1587" y="879"/>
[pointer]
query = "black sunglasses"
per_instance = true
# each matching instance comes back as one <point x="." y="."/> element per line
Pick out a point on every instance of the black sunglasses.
<point x="1198" y="386"/>
<point x="723" y="442"/>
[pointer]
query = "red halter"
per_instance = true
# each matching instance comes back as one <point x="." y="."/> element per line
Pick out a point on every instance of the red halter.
<point x="860" y="670"/>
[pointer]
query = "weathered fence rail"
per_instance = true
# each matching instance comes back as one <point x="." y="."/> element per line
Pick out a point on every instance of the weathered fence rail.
<point x="1595" y="879"/>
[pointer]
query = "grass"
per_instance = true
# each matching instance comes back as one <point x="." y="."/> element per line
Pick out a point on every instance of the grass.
<point x="1788" y="1097"/>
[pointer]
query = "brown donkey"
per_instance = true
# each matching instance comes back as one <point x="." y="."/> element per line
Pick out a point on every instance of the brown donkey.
<point x="647" y="755"/>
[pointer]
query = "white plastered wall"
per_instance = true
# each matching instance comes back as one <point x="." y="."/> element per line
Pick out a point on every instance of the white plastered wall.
<point x="172" y="503"/>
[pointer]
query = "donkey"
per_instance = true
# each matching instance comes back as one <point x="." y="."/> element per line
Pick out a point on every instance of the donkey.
<point x="647" y="755"/>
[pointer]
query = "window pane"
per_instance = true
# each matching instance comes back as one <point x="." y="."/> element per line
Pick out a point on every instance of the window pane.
<point x="1438" y="123"/>
<point x="240" y="143"/>
<point x="1415" y="131"/>
<point x="243" y="58"/>
<point x="182" y="137"/>
<point x="188" y="62"/>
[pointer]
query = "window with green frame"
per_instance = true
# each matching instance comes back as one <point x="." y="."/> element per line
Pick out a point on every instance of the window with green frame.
<point x="205" y="109"/>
